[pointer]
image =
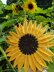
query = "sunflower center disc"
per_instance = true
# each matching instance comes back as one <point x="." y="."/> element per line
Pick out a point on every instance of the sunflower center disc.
<point x="30" y="6"/>
<point x="28" y="44"/>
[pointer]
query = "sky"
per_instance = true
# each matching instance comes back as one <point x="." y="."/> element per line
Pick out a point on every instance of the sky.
<point x="4" y="1"/>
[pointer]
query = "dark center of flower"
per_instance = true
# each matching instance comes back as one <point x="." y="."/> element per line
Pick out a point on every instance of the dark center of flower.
<point x="30" y="6"/>
<point x="28" y="44"/>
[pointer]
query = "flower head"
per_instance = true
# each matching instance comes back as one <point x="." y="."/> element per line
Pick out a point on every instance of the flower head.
<point x="30" y="46"/>
<point x="16" y="8"/>
<point x="30" y="6"/>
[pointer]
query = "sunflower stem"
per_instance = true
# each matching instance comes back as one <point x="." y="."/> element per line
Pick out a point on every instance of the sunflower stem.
<point x="4" y="54"/>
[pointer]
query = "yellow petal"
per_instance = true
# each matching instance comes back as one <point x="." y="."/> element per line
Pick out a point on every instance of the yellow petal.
<point x="26" y="64"/>
<point x="16" y="60"/>
<point x="45" y="36"/>
<point x="46" y="45"/>
<point x="10" y="48"/>
<point x="19" y="33"/>
<point x="46" y="40"/>
<point x="16" y="29"/>
<point x="21" y="62"/>
<point x="12" y="39"/>
<point x="37" y="32"/>
<point x="39" y="67"/>
<point x="31" y="63"/>
<point x="12" y="52"/>
<point x="25" y="26"/>
<point x="21" y="28"/>
<point x="30" y="27"/>
<point x="9" y="42"/>
<point x="13" y="34"/>
<point x="40" y="60"/>
<point x="46" y="51"/>
<point x="44" y="29"/>
<point x="44" y="56"/>
<point x="39" y="26"/>
<point x="50" y="44"/>
<point x="13" y="56"/>
<point x="33" y="30"/>
<point x="35" y="23"/>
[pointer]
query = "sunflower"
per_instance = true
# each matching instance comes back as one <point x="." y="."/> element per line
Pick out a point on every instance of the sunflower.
<point x="30" y="46"/>
<point x="16" y="8"/>
<point x="30" y="6"/>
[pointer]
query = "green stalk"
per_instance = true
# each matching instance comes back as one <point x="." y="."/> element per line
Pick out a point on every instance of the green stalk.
<point x="4" y="54"/>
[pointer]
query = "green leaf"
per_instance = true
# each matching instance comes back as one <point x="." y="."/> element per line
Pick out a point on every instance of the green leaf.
<point x="2" y="58"/>
<point x="1" y="11"/>
<point x="22" y="70"/>
<point x="2" y="39"/>
<point x="8" y="7"/>
<point x="7" y="24"/>
<point x="50" y="67"/>
<point x="1" y="69"/>
<point x="1" y="4"/>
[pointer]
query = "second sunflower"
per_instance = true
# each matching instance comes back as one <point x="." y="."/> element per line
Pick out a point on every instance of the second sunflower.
<point x="30" y="6"/>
